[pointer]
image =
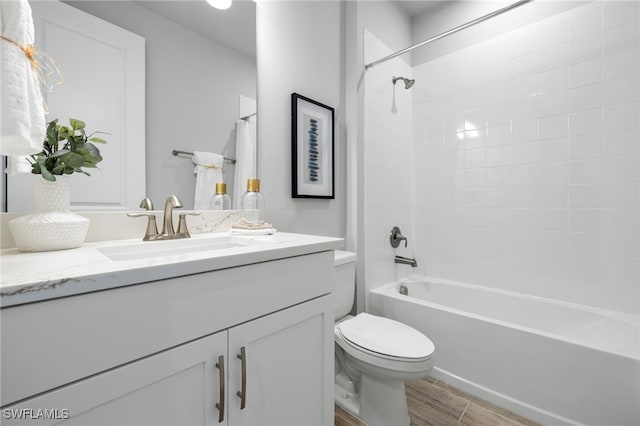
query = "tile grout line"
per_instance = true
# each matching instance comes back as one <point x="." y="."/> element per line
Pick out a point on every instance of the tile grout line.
<point x="464" y="411"/>
<point x="465" y="407"/>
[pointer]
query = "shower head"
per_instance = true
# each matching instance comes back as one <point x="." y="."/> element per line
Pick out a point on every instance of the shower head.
<point x="407" y="82"/>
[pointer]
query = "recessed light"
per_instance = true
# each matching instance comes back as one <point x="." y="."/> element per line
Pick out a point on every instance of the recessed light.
<point x="220" y="4"/>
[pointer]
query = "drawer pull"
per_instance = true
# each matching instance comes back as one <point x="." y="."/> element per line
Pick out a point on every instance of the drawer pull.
<point x="220" y="405"/>
<point x="243" y="392"/>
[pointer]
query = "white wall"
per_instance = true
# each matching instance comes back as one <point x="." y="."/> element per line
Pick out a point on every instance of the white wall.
<point x="299" y="50"/>
<point x="193" y="87"/>
<point x="542" y="195"/>
<point x="449" y="14"/>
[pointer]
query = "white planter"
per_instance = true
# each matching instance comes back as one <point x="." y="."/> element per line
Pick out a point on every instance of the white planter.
<point x="53" y="226"/>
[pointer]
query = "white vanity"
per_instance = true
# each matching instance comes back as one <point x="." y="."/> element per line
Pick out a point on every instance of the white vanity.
<point x="218" y="330"/>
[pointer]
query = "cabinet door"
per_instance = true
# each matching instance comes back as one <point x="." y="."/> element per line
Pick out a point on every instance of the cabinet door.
<point x="288" y="367"/>
<point x="179" y="386"/>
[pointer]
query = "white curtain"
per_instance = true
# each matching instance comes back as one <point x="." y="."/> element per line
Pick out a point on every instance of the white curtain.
<point x="246" y="152"/>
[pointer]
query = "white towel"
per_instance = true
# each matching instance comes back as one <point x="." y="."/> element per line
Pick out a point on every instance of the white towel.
<point x="18" y="164"/>
<point x="208" y="172"/>
<point x="22" y="123"/>
<point x="245" y="159"/>
<point x="245" y="227"/>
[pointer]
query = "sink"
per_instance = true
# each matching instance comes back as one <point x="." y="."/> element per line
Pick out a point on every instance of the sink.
<point x="163" y="248"/>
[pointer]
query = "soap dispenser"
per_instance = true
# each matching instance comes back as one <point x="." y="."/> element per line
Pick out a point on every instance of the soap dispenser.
<point x="220" y="200"/>
<point x="253" y="199"/>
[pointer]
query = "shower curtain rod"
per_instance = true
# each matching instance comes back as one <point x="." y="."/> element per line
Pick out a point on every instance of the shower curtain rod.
<point x="448" y="33"/>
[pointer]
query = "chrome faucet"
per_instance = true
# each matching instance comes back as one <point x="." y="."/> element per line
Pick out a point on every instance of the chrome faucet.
<point x="406" y="261"/>
<point x="395" y="237"/>
<point x="167" y="224"/>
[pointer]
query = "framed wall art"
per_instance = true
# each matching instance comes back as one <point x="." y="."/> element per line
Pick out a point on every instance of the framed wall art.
<point x="312" y="148"/>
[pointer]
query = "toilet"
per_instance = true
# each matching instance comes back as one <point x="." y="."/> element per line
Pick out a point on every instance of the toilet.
<point x="374" y="356"/>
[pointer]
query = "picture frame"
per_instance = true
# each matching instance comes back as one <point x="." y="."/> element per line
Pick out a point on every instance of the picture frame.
<point x="312" y="149"/>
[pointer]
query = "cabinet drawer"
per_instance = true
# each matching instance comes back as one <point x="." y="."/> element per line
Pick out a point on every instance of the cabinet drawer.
<point x="53" y="343"/>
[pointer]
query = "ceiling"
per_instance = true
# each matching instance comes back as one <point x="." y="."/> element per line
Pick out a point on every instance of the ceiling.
<point x="234" y="27"/>
<point x="416" y="7"/>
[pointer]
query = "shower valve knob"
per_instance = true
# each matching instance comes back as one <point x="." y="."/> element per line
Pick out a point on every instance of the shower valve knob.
<point x="395" y="237"/>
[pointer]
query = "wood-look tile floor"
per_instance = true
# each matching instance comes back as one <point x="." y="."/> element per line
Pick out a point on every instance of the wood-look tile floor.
<point x="435" y="403"/>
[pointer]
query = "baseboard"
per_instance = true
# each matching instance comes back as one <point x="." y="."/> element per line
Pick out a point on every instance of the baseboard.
<point x="516" y="406"/>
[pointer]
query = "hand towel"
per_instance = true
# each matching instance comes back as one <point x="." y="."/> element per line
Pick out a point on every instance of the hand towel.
<point x="245" y="159"/>
<point x="245" y="227"/>
<point x="22" y="122"/>
<point x="18" y="164"/>
<point x="267" y="231"/>
<point x="208" y="172"/>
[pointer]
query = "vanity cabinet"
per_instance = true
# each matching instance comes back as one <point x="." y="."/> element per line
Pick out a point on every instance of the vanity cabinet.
<point x="256" y="341"/>
<point x="286" y="361"/>
<point x="175" y="387"/>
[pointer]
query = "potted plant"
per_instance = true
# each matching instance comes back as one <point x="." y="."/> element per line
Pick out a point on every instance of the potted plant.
<point x="53" y="226"/>
<point x="76" y="152"/>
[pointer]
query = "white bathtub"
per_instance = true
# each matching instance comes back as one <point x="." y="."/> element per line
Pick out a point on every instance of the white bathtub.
<point x="551" y="361"/>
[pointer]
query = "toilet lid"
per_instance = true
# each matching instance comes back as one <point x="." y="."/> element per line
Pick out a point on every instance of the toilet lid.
<point x="386" y="336"/>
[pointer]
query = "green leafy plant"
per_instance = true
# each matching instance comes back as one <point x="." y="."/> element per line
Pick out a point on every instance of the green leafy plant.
<point x="64" y="158"/>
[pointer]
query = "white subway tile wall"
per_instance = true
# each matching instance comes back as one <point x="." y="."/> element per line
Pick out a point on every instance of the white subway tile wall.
<point x="525" y="159"/>
<point x="388" y="163"/>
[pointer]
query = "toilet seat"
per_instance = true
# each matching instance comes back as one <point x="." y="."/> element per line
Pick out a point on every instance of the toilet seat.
<point x="386" y="338"/>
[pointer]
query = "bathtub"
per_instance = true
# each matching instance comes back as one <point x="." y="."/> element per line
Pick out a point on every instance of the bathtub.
<point x="552" y="362"/>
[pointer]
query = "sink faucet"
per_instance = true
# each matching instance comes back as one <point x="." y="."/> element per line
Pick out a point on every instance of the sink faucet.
<point x="167" y="224"/>
<point x="406" y="261"/>
<point x="168" y="231"/>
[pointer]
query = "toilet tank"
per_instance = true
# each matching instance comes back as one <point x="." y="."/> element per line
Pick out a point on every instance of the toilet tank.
<point x="345" y="289"/>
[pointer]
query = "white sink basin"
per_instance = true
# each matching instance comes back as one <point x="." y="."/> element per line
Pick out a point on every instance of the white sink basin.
<point x="150" y="249"/>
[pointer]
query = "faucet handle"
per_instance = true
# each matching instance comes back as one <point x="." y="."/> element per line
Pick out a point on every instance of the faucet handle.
<point x="183" y="230"/>
<point x="152" y="229"/>
<point x="395" y="237"/>
<point x="146" y="203"/>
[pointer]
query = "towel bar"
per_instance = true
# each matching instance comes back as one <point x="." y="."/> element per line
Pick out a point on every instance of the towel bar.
<point x="178" y="152"/>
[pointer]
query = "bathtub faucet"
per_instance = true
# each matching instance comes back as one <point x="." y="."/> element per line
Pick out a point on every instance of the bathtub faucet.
<point x="406" y="261"/>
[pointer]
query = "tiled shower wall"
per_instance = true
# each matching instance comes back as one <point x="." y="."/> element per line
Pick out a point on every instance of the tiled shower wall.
<point x="388" y="171"/>
<point x="526" y="159"/>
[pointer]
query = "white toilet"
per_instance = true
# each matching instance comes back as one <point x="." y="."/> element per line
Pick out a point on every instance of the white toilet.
<point x="374" y="356"/>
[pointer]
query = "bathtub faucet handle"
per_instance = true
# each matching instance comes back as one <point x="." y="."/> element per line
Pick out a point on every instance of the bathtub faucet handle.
<point x="395" y="237"/>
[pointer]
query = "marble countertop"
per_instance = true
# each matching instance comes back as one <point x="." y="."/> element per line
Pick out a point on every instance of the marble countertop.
<point x="33" y="277"/>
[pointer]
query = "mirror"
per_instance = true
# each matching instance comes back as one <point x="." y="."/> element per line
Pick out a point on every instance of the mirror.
<point x="200" y="79"/>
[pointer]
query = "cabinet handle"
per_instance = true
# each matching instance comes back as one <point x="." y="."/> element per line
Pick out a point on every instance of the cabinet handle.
<point x="243" y="393"/>
<point x="220" y="405"/>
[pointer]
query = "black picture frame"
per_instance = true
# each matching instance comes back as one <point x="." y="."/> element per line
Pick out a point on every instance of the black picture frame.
<point x="312" y="149"/>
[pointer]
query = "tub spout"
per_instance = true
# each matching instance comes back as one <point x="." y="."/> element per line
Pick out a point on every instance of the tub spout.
<point x="406" y="261"/>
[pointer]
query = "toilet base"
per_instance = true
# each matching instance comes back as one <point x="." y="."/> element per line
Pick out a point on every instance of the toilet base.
<point x="383" y="402"/>
<point x="379" y="402"/>
<point x="348" y="401"/>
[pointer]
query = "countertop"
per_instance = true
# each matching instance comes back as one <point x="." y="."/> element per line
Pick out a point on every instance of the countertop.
<point x="33" y="277"/>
